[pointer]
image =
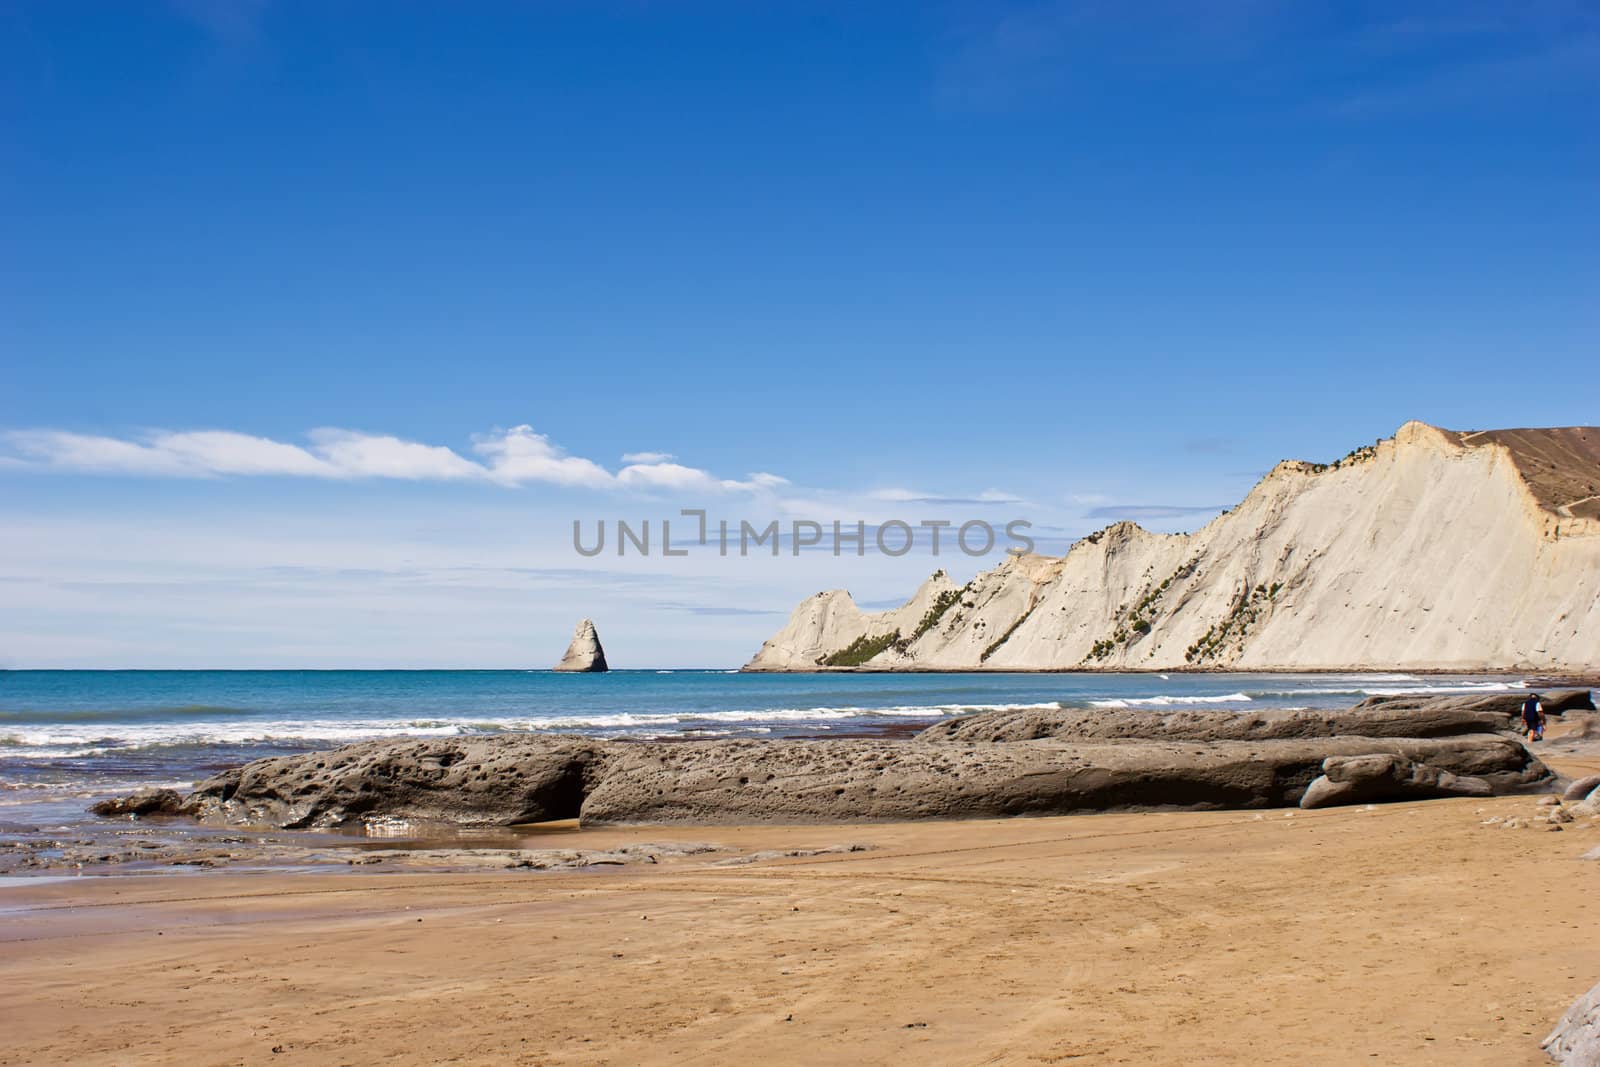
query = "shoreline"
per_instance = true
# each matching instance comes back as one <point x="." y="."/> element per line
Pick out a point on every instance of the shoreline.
<point x="1589" y="676"/>
<point x="1548" y="679"/>
<point x="443" y="795"/>
<point x="1095" y="938"/>
<point x="176" y="846"/>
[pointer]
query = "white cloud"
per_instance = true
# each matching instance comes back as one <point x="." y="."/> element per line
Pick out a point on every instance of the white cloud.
<point x="666" y="476"/>
<point x="912" y="496"/>
<point x="648" y="457"/>
<point x="359" y="455"/>
<point x="226" y="452"/>
<point x="519" y="455"/>
<point x="675" y="476"/>
<point x="515" y="457"/>
<point x="195" y="455"/>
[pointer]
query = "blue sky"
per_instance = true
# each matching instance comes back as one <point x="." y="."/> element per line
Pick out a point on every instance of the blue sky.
<point x="283" y="284"/>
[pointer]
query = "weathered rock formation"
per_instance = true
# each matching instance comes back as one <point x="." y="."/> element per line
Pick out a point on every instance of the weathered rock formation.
<point x="1363" y="779"/>
<point x="832" y="781"/>
<point x="1561" y="701"/>
<point x="1197" y="760"/>
<point x="1374" y="717"/>
<point x="1576" y="1038"/>
<point x="584" y="654"/>
<point x="1431" y="550"/>
<point x="466" y="781"/>
<point x="1583" y="789"/>
<point x="148" y="802"/>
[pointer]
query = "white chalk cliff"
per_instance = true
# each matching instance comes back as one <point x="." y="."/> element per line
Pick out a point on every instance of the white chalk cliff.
<point x="1434" y="549"/>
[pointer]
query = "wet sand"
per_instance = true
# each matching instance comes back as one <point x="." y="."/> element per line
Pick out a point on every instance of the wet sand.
<point x="1409" y="933"/>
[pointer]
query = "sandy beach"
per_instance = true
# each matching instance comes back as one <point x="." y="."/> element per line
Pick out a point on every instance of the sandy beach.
<point x="1403" y="933"/>
<point x="600" y="535"/>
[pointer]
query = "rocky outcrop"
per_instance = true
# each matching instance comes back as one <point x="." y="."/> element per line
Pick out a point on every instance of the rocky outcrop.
<point x="1576" y="1038"/>
<point x="584" y="654"/>
<point x="1561" y="701"/>
<point x="828" y="630"/>
<point x="1430" y="550"/>
<point x="1366" y="779"/>
<point x="984" y="766"/>
<point x="1379" y="717"/>
<point x="1506" y="705"/>
<point x="464" y="781"/>
<point x="149" y="802"/>
<point x="831" y="781"/>
<point x="1582" y="789"/>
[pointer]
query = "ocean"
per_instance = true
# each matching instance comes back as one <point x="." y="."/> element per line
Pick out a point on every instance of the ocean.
<point x="68" y="738"/>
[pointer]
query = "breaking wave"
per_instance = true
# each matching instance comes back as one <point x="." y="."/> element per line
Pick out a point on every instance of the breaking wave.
<point x="1167" y="701"/>
<point x="1396" y="690"/>
<point x="81" y="740"/>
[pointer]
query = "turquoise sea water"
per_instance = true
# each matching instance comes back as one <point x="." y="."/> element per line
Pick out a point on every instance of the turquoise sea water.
<point x="70" y="737"/>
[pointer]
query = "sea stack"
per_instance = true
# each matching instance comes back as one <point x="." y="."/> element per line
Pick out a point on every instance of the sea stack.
<point x="584" y="654"/>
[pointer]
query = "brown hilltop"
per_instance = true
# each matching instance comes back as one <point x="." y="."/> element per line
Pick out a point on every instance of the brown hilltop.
<point x="1561" y="465"/>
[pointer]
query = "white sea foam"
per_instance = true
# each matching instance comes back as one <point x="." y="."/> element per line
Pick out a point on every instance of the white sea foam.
<point x="1167" y="701"/>
<point x="1464" y="687"/>
<point x="1395" y="690"/>
<point x="69" y="741"/>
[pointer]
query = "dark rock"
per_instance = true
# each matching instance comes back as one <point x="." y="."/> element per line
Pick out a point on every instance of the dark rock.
<point x="1576" y="1038"/>
<point x="1581" y="789"/>
<point x="831" y="781"/>
<point x="1561" y="701"/>
<point x="149" y="802"/>
<point x="1368" y="779"/>
<point x="465" y="781"/>
<point x="506" y="779"/>
<point x="1376" y="717"/>
<point x="1507" y="703"/>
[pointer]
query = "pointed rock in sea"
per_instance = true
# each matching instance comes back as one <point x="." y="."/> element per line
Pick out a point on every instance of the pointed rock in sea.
<point x="584" y="654"/>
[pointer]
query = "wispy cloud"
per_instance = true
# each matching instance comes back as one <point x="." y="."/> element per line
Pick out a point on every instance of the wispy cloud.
<point x="1211" y="446"/>
<point x="716" y="610"/>
<point x="229" y="21"/>
<point x="888" y="604"/>
<point x="515" y="457"/>
<point x="912" y="496"/>
<point x="1372" y="61"/>
<point x="1150" y="511"/>
<point x="1544" y="67"/>
<point x="1006" y="53"/>
<point x="674" y="477"/>
<point x="648" y="457"/>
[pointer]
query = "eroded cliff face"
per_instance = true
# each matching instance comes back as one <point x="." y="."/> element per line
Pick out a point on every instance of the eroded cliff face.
<point x="1431" y="550"/>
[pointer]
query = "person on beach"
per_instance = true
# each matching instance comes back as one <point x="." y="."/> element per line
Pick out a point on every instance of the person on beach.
<point x="1533" y="718"/>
